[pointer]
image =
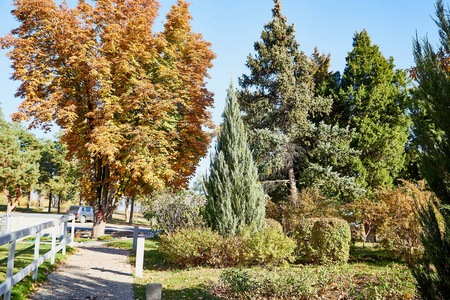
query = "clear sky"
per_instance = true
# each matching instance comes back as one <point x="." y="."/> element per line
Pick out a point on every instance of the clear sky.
<point x="233" y="26"/>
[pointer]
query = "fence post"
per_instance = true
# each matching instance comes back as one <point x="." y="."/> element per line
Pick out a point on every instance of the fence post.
<point x="10" y="269"/>
<point x="7" y="223"/>
<point x="64" y="225"/>
<point x="135" y="236"/>
<point x="37" y="245"/>
<point x="72" y="233"/>
<point x="139" y="256"/>
<point x="52" y="260"/>
<point x="153" y="291"/>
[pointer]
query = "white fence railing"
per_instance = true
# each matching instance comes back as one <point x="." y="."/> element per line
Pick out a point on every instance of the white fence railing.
<point x="11" y="238"/>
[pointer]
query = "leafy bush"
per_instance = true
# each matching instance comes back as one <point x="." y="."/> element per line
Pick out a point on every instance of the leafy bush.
<point x="268" y="246"/>
<point x="204" y="247"/>
<point x="323" y="240"/>
<point x="314" y="205"/>
<point x="392" y="213"/>
<point x="191" y="247"/>
<point x="272" y="224"/>
<point x="174" y="210"/>
<point x="322" y="282"/>
<point x="279" y="284"/>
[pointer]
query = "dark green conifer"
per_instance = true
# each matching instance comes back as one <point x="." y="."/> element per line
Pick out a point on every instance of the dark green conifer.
<point x="235" y="198"/>
<point x="283" y="114"/>
<point x="431" y="115"/>
<point x="373" y="101"/>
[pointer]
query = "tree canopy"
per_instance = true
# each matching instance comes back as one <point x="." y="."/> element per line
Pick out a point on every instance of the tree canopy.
<point x="19" y="157"/>
<point x="372" y="99"/>
<point x="284" y="115"/>
<point x="431" y="115"/>
<point x="132" y="103"/>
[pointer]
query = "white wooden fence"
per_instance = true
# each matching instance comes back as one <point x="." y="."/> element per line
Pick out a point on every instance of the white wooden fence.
<point x="11" y="238"/>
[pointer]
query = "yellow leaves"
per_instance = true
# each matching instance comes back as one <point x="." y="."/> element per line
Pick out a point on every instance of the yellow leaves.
<point x="130" y="98"/>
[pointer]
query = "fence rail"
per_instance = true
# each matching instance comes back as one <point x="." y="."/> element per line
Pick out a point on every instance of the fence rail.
<point x="11" y="238"/>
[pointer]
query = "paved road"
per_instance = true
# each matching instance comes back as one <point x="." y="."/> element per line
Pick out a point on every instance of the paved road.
<point x="110" y="229"/>
<point x="94" y="272"/>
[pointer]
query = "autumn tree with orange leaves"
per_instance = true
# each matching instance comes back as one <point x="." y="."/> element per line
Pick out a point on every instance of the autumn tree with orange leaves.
<point x="132" y="103"/>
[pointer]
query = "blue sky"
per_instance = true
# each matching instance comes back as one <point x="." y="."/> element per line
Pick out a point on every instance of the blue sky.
<point x="233" y="26"/>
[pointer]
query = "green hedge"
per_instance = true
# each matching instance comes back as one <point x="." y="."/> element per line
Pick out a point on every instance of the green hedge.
<point x="323" y="240"/>
<point x="204" y="247"/>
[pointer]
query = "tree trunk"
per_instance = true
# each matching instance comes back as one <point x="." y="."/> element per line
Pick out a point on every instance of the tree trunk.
<point x="79" y="202"/>
<point x="39" y="198"/>
<point x="126" y="211"/>
<point x="103" y="193"/>
<point x="8" y="200"/>
<point x="98" y="229"/>
<point x="12" y="204"/>
<point x="29" y="201"/>
<point x="50" y="202"/>
<point x="293" y="184"/>
<point x="131" y="211"/>
<point x="59" y="202"/>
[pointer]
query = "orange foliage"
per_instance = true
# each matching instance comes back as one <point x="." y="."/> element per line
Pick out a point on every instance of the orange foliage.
<point x="132" y="104"/>
<point x="393" y="213"/>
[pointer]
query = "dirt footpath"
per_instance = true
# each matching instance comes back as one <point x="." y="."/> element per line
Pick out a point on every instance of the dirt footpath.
<point x="94" y="272"/>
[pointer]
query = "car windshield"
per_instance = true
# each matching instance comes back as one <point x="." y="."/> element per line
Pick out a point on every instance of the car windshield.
<point x="73" y="208"/>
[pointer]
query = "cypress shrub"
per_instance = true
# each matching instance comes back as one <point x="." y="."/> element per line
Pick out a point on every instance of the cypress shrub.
<point x="323" y="240"/>
<point x="235" y="198"/>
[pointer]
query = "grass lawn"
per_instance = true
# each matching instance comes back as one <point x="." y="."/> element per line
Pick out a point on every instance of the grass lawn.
<point x="25" y="256"/>
<point x="370" y="274"/>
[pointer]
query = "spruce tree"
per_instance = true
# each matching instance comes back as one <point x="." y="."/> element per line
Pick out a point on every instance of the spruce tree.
<point x="431" y="116"/>
<point x="373" y="101"/>
<point x="235" y="198"/>
<point x="283" y="114"/>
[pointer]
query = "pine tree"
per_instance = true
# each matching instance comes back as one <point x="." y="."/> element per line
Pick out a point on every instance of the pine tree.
<point x="431" y="117"/>
<point x="235" y="198"/>
<point x="283" y="114"/>
<point x="373" y="100"/>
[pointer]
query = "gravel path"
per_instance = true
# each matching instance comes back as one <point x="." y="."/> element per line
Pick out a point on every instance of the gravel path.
<point x="94" y="272"/>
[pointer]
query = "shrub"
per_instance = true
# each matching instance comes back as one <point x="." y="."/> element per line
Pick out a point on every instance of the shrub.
<point x="174" y="210"/>
<point x="272" y="224"/>
<point x="321" y="282"/>
<point x="269" y="246"/>
<point x="323" y="240"/>
<point x="274" y="284"/>
<point x="393" y="214"/>
<point x="191" y="247"/>
<point x="204" y="247"/>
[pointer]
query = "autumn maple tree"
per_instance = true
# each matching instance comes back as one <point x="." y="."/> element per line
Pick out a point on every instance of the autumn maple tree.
<point x="132" y="103"/>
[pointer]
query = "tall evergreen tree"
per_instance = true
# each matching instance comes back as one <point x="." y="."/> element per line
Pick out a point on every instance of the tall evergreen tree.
<point x="431" y="116"/>
<point x="235" y="198"/>
<point x="282" y="112"/>
<point x="373" y="100"/>
<point x="18" y="162"/>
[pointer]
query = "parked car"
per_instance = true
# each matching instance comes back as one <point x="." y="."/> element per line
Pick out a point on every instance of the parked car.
<point x="81" y="213"/>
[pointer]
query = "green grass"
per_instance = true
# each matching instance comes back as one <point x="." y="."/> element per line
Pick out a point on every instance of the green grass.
<point x="372" y="273"/>
<point x="32" y="239"/>
<point x="25" y="256"/>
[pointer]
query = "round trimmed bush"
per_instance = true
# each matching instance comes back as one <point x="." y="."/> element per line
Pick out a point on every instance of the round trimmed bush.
<point x="272" y="224"/>
<point x="323" y="240"/>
